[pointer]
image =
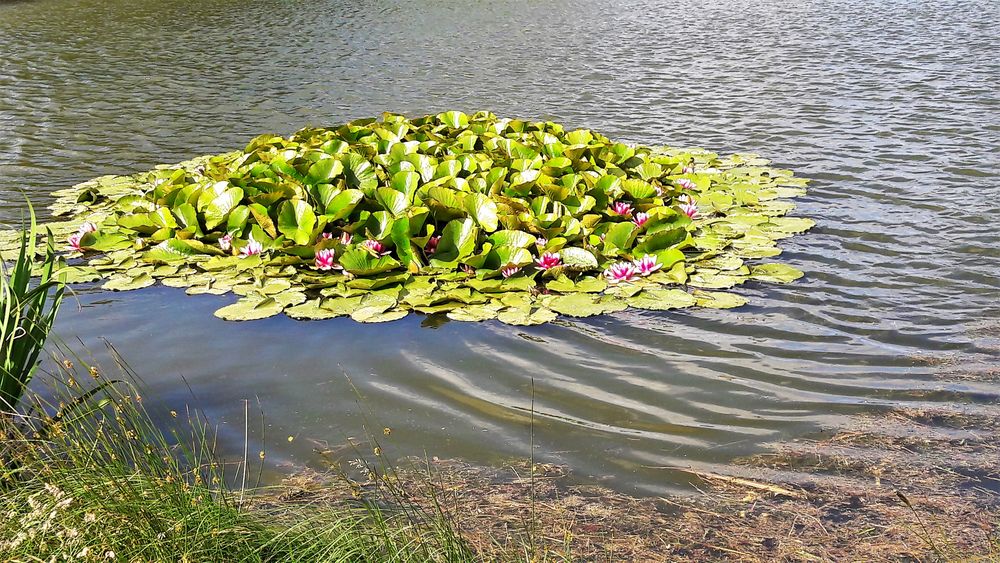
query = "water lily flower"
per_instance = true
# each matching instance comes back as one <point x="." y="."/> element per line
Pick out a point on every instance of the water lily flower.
<point x="468" y="269"/>
<point x="689" y="169"/>
<point x="621" y="208"/>
<point x="542" y="242"/>
<point x="647" y="265"/>
<point x="376" y="247"/>
<point x="509" y="271"/>
<point x="74" y="241"/>
<point x="690" y="208"/>
<point x="640" y="219"/>
<point x="432" y="244"/>
<point x="345" y="238"/>
<point x="252" y="248"/>
<point x="548" y="260"/>
<point x="226" y="242"/>
<point x="327" y="236"/>
<point x="686" y="184"/>
<point x="620" y="272"/>
<point x="324" y="260"/>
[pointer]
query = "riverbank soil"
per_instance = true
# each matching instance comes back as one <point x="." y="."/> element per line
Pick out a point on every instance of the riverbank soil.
<point x="905" y="484"/>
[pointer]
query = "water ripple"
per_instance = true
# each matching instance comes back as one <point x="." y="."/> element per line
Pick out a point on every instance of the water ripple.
<point x="890" y="108"/>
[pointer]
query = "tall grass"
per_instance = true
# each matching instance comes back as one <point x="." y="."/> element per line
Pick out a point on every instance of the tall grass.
<point x="97" y="479"/>
<point x="27" y="312"/>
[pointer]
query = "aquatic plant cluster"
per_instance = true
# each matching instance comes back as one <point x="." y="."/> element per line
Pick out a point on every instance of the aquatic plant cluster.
<point x="473" y="216"/>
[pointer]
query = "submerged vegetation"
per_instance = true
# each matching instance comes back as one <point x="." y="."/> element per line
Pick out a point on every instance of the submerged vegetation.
<point x="97" y="477"/>
<point x="473" y="216"/>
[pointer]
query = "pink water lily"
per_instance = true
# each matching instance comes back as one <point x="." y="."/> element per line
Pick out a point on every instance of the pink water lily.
<point x="327" y="236"/>
<point x="346" y="238"/>
<point x="548" y="260"/>
<point x="252" y="248"/>
<point x="621" y="208"/>
<point x="686" y="184"/>
<point x="689" y="169"/>
<point x="620" y="272"/>
<point x="640" y="219"/>
<point x="468" y="269"/>
<point x="432" y="244"/>
<point x="376" y="247"/>
<point x="509" y="271"/>
<point x="542" y="242"/>
<point x="226" y="242"/>
<point x="325" y="260"/>
<point x="647" y="265"/>
<point x="690" y="208"/>
<point x="74" y="241"/>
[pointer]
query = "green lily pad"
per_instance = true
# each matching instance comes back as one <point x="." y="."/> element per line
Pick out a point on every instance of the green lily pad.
<point x="474" y="313"/>
<point x="525" y="316"/>
<point x="661" y="299"/>
<point x="776" y="273"/>
<point x="129" y="283"/>
<point x="719" y="300"/>
<point x="250" y="308"/>
<point x="312" y="310"/>
<point x="448" y="213"/>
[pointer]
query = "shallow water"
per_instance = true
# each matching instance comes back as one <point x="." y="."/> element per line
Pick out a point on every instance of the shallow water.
<point x="891" y="107"/>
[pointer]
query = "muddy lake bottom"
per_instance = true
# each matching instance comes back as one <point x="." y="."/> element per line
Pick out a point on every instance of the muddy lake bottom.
<point x="905" y="484"/>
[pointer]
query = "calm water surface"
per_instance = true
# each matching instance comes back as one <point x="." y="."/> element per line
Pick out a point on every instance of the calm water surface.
<point x="891" y="107"/>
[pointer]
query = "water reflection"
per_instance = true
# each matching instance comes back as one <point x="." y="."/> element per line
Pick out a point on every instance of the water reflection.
<point x="890" y="108"/>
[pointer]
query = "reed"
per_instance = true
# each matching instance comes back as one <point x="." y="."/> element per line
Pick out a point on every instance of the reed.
<point x="27" y="311"/>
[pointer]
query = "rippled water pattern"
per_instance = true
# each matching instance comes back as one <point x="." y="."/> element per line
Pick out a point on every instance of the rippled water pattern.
<point x="891" y="107"/>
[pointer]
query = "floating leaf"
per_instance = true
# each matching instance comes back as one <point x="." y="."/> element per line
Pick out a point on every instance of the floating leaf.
<point x="127" y="283"/>
<point x="526" y="316"/>
<point x="473" y="313"/>
<point x="460" y="201"/>
<point x="777" y="273"/>
<point x="661" y="299"/>
<point x="719" y="300"/>
<point x="250" y="308"/>
<point x="172" y="250"/>
<point x="578" y="258"/>
<point x="311" y="310"/>
<point x="580" y="305"/>
<point x="362" y="263"/>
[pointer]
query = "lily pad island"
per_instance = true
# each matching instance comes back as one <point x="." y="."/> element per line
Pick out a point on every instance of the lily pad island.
<point x="475" y="217"/>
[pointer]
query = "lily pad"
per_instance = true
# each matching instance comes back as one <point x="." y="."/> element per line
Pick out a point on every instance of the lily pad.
<point x="470" y="215"/>
<point x="719" y="299"/>
<point x="525" y="316"/>
<point x="129" y="283"/>
<point x="661" y="299"/>
<point x="250" y="308"/>
<point x="776" y="273"/>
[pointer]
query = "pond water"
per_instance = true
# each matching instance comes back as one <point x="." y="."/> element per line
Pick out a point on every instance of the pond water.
<point x="891" y="107"/>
